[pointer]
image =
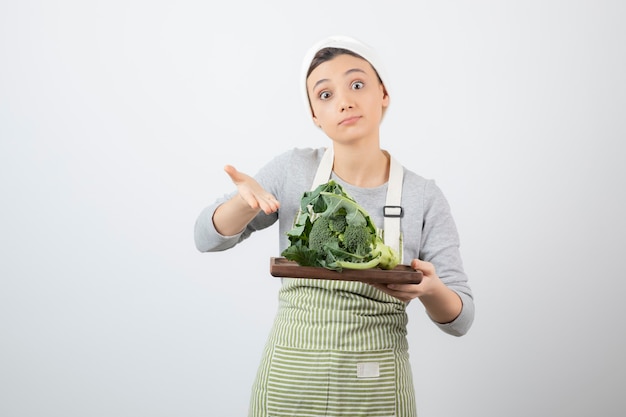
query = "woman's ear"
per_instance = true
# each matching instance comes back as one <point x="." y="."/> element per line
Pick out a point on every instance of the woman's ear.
<point x="385" y="97"/>
<point x="316" y="122"/>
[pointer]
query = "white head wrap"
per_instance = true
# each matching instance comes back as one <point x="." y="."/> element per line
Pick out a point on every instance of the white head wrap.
<point x="344" y="42"/>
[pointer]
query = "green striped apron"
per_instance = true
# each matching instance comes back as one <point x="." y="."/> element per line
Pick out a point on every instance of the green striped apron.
<point x="337" y="349"/>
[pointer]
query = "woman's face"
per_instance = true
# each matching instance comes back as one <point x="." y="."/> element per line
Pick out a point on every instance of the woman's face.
<point x="347" y="98"/>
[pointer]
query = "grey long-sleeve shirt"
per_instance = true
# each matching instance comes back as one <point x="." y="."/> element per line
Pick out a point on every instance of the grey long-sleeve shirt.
<point x="429" y="231"/>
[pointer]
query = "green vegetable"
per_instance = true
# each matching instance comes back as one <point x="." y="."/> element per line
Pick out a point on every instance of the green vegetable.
<point x="333" y="231"/>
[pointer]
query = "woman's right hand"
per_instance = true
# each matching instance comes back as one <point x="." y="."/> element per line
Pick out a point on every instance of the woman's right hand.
<point x="251" y="191"/>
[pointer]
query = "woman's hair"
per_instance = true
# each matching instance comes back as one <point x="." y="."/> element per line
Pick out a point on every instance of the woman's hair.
<point x="326" y="54"/>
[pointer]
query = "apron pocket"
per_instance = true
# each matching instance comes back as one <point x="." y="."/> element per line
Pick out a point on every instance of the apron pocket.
<point x="331" y="383"/>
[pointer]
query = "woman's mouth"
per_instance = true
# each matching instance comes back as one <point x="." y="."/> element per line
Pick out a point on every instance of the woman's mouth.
<point x="349" y="121"/>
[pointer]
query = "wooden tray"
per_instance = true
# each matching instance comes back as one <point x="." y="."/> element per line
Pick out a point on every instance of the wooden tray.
<point x="401" y="274"/>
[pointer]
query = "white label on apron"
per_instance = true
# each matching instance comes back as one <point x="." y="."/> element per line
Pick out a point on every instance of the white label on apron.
<point x="367" y="370"/>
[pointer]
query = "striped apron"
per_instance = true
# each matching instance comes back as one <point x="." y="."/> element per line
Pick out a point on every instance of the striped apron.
<point x="337" y="349"/>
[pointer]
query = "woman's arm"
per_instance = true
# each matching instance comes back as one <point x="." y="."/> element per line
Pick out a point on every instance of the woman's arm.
<point x="442" y="304"/>
<point x="444" y="290"/>
<point x="231" y="217"/>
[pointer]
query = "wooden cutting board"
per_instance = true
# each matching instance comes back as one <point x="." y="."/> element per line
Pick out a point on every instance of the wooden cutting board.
<point x="401" y="274"/>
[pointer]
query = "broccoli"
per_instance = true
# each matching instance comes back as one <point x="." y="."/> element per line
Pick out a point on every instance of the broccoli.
<point x="321" y="234"/>
<point x="338" y="223"/>
<point x="357" y="240"/>
<point x="333" y="231"/>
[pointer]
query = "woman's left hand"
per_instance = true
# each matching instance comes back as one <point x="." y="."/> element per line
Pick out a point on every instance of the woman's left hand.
<point x="442" y="304"/>
<point x="407" y="292"/>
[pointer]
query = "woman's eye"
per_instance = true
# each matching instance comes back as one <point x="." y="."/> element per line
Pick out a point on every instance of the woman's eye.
<point x="357" y="85"/>
<point x="324" y="95"/>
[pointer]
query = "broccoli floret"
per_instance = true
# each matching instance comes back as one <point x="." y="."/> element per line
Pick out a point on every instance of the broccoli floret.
<point x="333" y="231"/>
<point x="321" y="234"/>
<point x="338" y="223"/>
<point x="358" y="239"/>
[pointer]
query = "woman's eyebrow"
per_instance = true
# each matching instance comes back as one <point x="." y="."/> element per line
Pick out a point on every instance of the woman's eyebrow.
<point x="348" y="72"/>
<point x="318" y="83"/>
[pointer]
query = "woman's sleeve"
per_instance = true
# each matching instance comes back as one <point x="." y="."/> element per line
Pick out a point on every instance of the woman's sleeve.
<point x="441" y="246"/>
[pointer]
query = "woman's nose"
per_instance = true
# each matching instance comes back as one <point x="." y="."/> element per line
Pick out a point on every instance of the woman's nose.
<point x="345" y="102"/>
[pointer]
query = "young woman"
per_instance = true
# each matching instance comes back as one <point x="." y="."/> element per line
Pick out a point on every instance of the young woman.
<point x="339" y="348"/>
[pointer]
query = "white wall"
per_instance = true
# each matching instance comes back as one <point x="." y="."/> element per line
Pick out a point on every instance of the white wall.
<point x="116" y="118"/>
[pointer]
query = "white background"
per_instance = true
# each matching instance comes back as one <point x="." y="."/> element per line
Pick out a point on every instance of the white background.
<point x="116" y="118"/>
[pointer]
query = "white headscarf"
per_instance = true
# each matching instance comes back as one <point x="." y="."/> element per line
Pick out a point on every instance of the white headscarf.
<point x="344" y="42"/>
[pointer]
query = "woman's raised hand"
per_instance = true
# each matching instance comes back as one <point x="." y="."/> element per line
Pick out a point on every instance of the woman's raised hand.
<point x="251" y="191"/>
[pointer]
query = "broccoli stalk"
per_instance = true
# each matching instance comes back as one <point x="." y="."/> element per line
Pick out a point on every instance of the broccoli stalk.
<point x="333" y="231"/>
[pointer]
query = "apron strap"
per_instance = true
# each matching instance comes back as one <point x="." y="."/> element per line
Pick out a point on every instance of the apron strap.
<point x="392" y="211"/>
<point x="324" y="169"/>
